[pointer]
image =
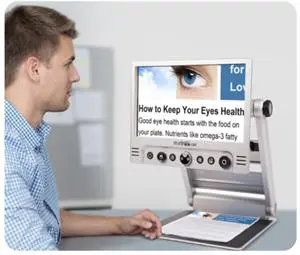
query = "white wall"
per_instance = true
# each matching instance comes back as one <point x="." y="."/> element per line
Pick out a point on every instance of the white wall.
<point x="264" y="32"/>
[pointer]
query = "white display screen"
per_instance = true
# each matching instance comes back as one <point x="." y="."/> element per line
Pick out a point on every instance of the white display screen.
<point x="195" y="102"/>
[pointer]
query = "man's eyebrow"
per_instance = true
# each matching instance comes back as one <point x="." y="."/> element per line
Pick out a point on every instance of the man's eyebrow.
<point x="70" y="60"/>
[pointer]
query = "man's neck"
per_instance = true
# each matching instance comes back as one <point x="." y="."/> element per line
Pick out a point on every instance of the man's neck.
<point x="25" y="105"/>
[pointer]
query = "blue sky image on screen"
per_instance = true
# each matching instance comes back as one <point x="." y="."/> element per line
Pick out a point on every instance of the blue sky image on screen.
<point x="157" y="82"/>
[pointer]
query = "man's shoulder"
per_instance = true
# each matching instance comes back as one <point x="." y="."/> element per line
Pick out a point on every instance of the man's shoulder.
<point x="17" y="151"/>
<point x="12" y="138"/>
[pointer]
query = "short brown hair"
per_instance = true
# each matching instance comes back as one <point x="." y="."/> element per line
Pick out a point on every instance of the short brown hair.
<point x="33" y="30"/>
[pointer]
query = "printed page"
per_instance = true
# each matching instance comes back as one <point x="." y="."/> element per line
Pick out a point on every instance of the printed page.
<point x="209" y="226"/>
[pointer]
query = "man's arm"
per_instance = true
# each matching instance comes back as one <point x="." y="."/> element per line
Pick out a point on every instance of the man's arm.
<point x="75" y="224"/>
<point x="24" y="228"/>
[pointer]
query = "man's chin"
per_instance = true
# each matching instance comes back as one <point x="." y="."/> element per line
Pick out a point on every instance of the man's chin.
<point x="61" y="108"/>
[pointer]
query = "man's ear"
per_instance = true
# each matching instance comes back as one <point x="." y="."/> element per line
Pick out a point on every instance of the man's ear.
<point x="32" y="67"/>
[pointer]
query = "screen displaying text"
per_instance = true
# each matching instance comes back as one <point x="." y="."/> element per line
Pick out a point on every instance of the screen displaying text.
<point x="198" y="102"/>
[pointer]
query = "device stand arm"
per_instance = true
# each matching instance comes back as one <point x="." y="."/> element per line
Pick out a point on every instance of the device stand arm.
<point x="261" y="110"/>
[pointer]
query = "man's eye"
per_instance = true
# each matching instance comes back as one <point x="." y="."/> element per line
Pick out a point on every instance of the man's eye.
<point x="191" y="79"/>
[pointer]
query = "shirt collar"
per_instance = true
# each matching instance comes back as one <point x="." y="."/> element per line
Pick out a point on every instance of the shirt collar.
<point x="35" y="137"/>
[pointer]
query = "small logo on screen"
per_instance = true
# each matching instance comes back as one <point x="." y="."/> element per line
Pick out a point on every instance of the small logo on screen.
<point x="185" y="143"/>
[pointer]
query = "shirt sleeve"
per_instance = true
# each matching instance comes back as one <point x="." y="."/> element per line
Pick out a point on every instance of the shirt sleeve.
<point x="24" y="228"/>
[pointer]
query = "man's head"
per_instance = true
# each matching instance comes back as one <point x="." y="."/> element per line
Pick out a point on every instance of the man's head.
<point x="39" y="53"/>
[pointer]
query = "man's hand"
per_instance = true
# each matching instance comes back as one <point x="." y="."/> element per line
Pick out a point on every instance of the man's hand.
<point x="144" y="222"/>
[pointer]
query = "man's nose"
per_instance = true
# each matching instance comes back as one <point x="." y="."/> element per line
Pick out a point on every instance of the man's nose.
<point x="75" y="75"/>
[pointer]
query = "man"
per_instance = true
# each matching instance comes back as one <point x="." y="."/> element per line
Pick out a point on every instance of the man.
<point x="39" y="73"/>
